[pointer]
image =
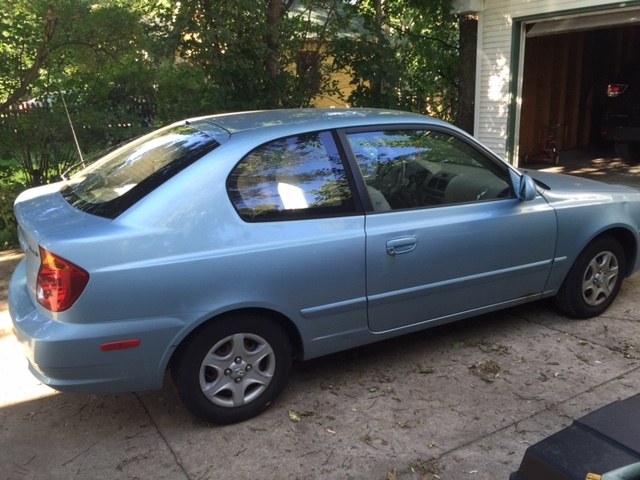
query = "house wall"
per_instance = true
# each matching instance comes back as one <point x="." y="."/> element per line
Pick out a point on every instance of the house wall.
<point x="495" y="83"/>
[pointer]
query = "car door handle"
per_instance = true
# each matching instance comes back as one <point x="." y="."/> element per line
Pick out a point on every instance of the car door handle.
<point x="398" y="246"/>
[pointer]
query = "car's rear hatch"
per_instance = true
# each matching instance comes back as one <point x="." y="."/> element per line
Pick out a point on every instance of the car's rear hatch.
<point x="43" y="213"/>
<point x="109" y="186"/>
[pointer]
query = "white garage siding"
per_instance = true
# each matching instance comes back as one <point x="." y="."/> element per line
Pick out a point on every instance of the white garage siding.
<point x="495" y="35"/>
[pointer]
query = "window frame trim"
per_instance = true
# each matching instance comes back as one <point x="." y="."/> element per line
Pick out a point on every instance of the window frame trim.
<point x="359" y="179"/>
<point x="315" y="213"/>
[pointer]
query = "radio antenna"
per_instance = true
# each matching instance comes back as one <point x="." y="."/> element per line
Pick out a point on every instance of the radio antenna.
<point x="73" y="131"/>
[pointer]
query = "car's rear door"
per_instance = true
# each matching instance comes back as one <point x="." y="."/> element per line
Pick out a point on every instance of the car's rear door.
<point x="447" y="235"/>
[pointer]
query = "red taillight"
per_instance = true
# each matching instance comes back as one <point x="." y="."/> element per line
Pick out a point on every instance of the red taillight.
<point x="60" y="282"/>
<point x="616" y="89"/>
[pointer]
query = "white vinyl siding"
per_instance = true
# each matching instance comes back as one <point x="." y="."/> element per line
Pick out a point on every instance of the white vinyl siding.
<point x="495" y="33"/>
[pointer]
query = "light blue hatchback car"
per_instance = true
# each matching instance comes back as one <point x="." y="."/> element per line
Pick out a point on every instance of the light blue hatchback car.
<point x="224" y="247"/>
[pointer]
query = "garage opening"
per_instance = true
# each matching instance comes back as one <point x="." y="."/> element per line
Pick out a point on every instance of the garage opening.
<point x="568" y="65"/>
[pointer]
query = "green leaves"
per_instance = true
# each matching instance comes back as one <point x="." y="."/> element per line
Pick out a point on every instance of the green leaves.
<point x="405" y="57"/>
<point x="144" y="63"/>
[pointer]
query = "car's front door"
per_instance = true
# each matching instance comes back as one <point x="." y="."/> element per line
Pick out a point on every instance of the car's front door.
<point x="447" y="235"/>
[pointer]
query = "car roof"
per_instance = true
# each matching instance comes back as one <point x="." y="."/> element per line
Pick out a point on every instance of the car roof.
<point x="314" y="119"/>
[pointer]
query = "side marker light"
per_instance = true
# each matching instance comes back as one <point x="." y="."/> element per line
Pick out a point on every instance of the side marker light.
<point x="120" y="345"/>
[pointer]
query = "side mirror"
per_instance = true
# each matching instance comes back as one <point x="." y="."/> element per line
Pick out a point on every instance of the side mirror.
<point x="524" y="186"/>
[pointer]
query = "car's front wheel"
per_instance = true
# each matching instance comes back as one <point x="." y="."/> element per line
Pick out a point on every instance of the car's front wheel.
<point x="233" y="368"/>
<point x="594" y="280"/>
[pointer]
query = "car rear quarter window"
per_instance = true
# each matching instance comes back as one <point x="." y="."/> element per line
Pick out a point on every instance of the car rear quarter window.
<point x="118" y="180"/>
<point x="291" y="178"/>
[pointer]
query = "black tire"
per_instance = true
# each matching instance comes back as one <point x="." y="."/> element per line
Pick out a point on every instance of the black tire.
<point x="594" y="280"/>
<point x="628" y="151"/>
<point x="233" y="368"/>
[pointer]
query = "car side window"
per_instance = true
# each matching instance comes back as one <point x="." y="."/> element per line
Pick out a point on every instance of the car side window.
<point x="291" y="178"/>
<point x="406" y="169"/>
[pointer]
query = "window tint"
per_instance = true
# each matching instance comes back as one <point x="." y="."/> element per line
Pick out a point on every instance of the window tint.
<point x="118" y="180"/>
<point x="418" y="168"/>
<point x="296" y="177"/>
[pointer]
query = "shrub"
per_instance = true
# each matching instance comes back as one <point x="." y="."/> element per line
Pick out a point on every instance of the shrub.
<point x="9" y="190"/>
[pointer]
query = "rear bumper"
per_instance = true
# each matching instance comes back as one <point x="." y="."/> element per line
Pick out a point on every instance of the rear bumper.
<point x="68" y="357"/>
<point x="621" y="134"/>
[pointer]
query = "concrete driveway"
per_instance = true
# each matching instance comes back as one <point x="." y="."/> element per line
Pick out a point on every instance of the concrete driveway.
<point x="462" y="401"/>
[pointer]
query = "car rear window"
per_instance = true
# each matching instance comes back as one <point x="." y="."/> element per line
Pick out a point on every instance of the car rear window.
<point x="118" y="180"/>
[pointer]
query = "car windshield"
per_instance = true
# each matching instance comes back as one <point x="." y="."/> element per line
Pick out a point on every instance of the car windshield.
<point x="118" y="180"/>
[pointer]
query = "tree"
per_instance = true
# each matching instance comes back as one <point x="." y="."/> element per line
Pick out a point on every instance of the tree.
<point x="27" y="45"/>
<point x="250" y="54"/>
<point x="41" y="35"/>
<point x="91" y="54"/>
<point x="231" y="48"/>
<point x="405" y="57"/>
<point x="125" y="65"/>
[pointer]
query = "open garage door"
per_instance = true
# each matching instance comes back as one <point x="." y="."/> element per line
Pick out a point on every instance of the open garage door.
<point x="568" y="64"/>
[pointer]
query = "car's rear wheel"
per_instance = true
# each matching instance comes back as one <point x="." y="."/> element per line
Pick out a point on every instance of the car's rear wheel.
<point x="594" y="280"/>
<point x="233" y="368"/>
